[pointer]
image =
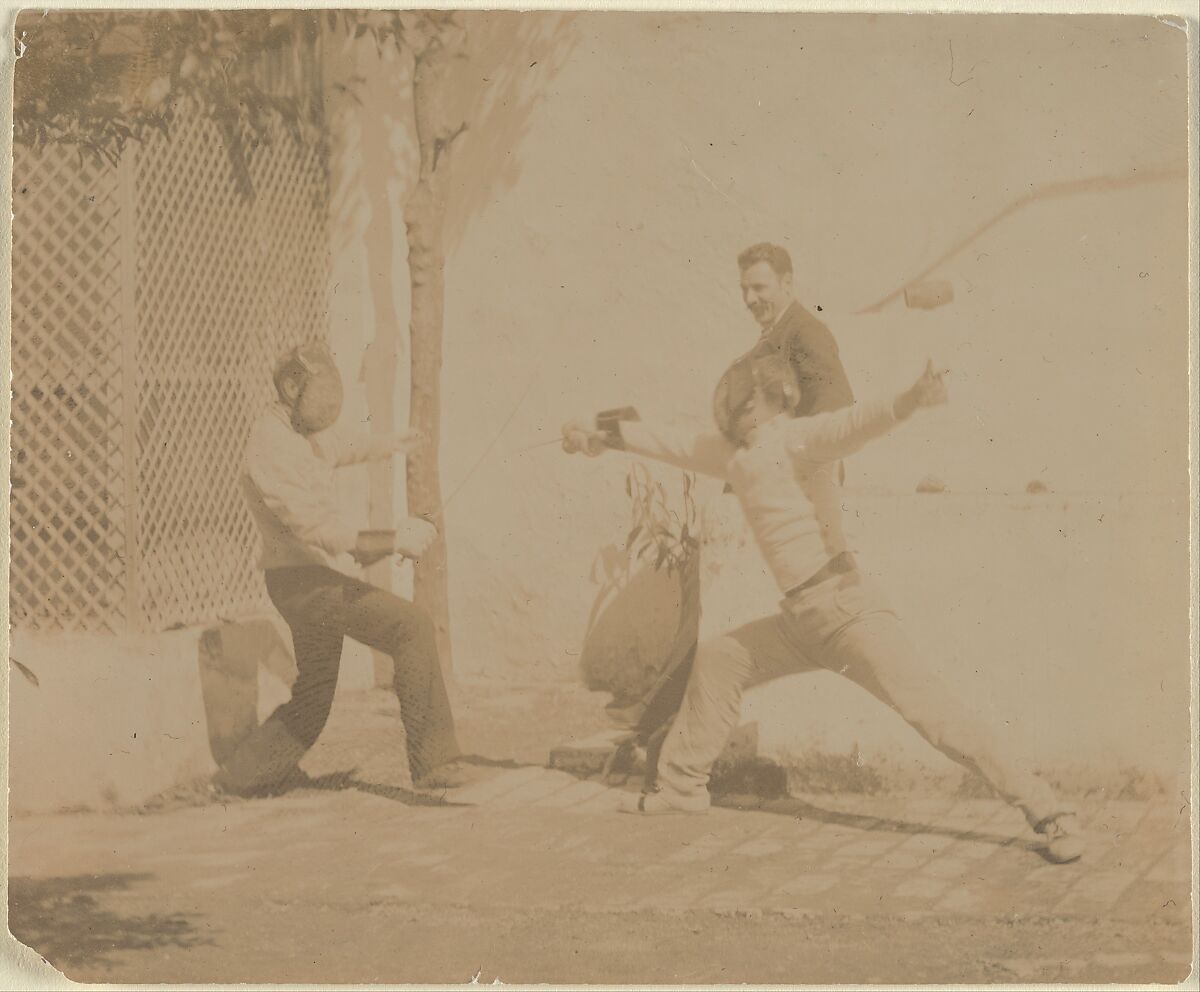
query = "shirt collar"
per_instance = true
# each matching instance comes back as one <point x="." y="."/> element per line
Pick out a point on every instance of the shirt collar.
<point x="776" y="322"/>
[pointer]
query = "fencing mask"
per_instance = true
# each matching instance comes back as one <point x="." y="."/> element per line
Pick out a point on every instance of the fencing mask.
<point x="317" y="402"/>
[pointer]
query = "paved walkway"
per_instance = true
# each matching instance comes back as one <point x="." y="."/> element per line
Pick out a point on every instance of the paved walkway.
<point x="532" y="838"/>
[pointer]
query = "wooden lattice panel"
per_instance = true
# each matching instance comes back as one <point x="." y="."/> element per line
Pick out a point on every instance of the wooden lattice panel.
<point x="149" y="302"/>
<point x="67" y="509"/>
<point x="224" y="286"/>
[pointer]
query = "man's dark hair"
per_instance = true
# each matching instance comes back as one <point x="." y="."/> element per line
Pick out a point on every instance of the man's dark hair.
<point x="770" y="373"/>
<point x="775" y="256"/>
<point x="774" y="375"/>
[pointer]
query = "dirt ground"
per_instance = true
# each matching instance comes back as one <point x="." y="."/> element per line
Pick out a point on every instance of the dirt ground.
<point x="394" y="944"/>
<point x="532" y="876"/>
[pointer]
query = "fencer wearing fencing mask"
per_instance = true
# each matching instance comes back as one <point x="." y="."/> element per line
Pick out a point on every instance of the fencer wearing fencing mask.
<point x="309" y="384"/>
<point x="313" y="550"/>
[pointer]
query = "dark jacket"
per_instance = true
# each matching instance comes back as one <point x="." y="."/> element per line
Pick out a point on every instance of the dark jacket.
<point x="810" y="348"/>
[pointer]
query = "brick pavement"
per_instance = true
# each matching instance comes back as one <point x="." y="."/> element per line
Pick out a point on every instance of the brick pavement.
<point x="532" y="837"/>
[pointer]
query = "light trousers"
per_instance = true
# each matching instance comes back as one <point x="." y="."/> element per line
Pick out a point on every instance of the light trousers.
<point x="841" y="625"/>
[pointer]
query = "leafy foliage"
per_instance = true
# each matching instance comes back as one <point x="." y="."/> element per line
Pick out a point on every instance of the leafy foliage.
<point x="666" y="537"/>
<point x="100" y="79"/>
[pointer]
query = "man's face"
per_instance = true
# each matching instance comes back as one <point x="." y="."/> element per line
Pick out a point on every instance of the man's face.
<point x="765" y="292"/>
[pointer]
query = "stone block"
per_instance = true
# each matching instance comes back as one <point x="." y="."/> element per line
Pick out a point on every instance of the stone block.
<point x="230" y="659"/>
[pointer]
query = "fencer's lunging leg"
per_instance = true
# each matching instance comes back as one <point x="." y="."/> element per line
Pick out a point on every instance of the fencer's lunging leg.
<point x="724" y="668"/>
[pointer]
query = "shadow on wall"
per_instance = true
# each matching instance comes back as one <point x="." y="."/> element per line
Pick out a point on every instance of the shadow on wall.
<point x="64" y="920"/>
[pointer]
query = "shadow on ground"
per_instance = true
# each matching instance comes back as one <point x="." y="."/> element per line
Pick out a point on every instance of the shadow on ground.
<point x="343" y="780"/>
<point x="801" y="809"/>
<point x="199" y="792"/>
<point x="348" y="780"/>
<point x="64" y="920"/>
<point x="761" y="786"/>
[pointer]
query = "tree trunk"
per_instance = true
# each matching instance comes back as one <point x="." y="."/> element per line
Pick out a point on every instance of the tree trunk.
<point x="424" y="220"/>
<point x="379" y="363"/>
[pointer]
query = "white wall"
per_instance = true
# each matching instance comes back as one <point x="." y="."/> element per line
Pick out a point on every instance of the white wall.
<point x="605" y="275"/>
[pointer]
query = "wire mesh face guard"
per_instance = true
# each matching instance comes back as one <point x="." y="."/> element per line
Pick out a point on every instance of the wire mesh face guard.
<point x="319" y="400"/>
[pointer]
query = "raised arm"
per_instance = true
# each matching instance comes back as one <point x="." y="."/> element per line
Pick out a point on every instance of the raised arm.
<point x="830" y="436"/>
<point x="706" y="453"/>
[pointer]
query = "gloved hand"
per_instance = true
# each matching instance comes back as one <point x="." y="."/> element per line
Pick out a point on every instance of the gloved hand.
<point x="580" y="434"/>
<point x="929" y="390"/>
<point x="414" y="537"/>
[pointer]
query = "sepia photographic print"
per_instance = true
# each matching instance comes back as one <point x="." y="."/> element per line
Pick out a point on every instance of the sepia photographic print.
<point x="601" y="497"/>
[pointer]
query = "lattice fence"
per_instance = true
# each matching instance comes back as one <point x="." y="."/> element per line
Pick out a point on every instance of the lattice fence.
<point x="148" y="303"/>
<point x="68" y="535"/>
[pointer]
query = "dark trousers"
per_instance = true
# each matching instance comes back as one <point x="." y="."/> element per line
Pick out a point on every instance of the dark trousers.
<point x="322" y="607"/>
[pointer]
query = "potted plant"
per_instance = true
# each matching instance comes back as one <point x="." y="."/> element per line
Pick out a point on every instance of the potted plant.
<point x="645" y="623"/>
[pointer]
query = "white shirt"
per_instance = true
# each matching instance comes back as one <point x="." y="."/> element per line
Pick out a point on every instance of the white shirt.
<point x="785" y="480"/>
<point x="289" y="485"/>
